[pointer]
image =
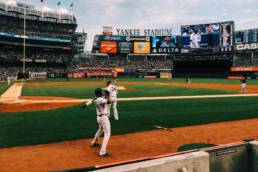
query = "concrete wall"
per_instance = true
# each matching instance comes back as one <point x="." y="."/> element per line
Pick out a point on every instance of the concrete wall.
<point x="236" y="157"/>
<point x="192" y="162"/>
<point x="229" y="159"/>
<point x="254" y="156"/>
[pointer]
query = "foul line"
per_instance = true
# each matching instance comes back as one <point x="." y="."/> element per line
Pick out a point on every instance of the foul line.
<point x="141" y="98"/>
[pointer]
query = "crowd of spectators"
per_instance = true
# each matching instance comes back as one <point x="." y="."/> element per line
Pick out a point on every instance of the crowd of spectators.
<point x="34" y="56"/>
<point x="246" y="60"/>
<point x="46" y="69"/>
<point x="11" y="72"/>
<point x="36" y="29"/>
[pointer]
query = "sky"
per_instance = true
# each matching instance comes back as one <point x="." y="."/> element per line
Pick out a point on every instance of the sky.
<point x="92" y="15"/>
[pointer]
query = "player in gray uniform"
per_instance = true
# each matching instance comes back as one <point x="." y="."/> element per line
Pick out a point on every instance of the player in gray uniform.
<point x="112" y="89"/>
<point x="102" y="119"/>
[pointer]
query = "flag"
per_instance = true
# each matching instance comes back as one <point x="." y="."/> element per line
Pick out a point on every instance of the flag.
<point x="71" y="5"/>
<point x="59" y="3"/>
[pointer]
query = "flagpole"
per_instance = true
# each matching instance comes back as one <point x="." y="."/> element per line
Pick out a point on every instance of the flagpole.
<point x="59" y="9"/>
<point x="71" y="8"/>
<point x="24" y="41"/>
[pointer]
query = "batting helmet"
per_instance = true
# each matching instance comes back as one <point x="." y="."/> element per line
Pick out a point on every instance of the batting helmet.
<point x="98" y="92"/>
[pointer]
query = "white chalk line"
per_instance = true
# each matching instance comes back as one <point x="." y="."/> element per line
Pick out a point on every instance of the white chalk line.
<point x="139" y="98"/>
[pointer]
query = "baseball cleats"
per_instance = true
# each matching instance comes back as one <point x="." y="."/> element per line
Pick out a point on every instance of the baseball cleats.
<point x="104" y="154"/>
<point x="94" y="144"/>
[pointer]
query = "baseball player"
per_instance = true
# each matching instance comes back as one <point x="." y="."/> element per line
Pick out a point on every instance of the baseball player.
<point x="194" y="40"/>
<point x="243" y="85"/>
<point x="187" y="79"/>
<point x="102" y="119"/>
<point x="112" y="89"/>
<point x="9" y="80"/>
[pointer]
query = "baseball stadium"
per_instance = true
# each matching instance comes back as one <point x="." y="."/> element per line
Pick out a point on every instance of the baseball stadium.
<point x="164" y="102"/>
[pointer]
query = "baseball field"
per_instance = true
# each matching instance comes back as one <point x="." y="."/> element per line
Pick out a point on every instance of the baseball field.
<point x="45" y="128"/>
<point x="3" y="87"/>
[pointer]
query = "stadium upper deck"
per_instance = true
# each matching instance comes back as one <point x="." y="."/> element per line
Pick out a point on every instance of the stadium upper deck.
<point x="47" y="36"/>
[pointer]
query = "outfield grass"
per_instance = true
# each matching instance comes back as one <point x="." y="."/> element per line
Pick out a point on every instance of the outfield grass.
<point x="139" y="90"/>
<point x="3" y="87"/>
<point x="182" y="80"/>
<point x="74" y="123"/>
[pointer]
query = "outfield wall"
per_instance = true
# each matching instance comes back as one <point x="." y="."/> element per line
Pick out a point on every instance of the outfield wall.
<point x="236" y="157"/>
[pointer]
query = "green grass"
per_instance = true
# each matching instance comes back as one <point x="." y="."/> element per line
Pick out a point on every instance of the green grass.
<point x="139" y="90"/>
<point x="194" y="80"/>
<point x="74" y="123"/>
<point x="3" y="87"/>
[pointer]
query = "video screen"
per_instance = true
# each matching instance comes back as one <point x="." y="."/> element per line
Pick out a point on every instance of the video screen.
<point x="164" y="41"/>
<point x="215" y="35"/>
<point x="109" y="47"/>
<point x="125" y="47"/>
<point x="252" y="36"/>
<point x="247" y="36"/>
<point x="141" y="47"/>
<point x="240" y="37"/>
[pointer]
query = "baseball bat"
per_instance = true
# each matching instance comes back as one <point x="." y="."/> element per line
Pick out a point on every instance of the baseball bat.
<point x="88" y="103"/>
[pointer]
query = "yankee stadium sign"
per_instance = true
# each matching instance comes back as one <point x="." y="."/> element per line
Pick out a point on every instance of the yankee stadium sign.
<point x="146" y="32"/>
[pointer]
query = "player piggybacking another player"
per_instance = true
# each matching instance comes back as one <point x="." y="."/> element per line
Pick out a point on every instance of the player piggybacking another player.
<point x="112" y="89"/>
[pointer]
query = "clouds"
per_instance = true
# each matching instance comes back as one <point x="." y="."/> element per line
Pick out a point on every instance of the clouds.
<point x="93" y="14"/>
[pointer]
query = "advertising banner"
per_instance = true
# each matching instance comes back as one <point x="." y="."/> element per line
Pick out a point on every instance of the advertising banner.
<point x="164" y="44"/>
<point x="38" y="75"/>
<point x="56" y="75"/>
<point x="107" y="30"/>
<point x="125" y="47"/>
<point x="112" y="38"/>
<point x="244" y="69"/>
<point x="109" y="47"/>
<point x="141" y="47"/>
<point x="120" y="70"/>
<point x="166" y="75"/>
<point x="251" y="46"/>
<point x="76" y="75"/>
<point x="138" y="38"/>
